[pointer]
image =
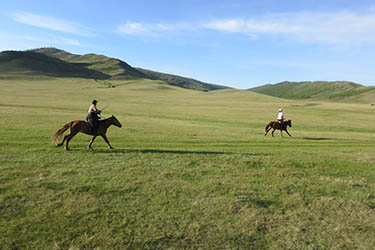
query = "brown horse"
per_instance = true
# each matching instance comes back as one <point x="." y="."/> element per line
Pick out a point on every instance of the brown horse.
<point x="83" y="127"/>
<point x="277" y="125"/>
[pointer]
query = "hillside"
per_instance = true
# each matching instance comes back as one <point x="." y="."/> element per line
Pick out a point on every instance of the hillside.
<point x="115" y="68"/>
<point x="180" y="81"/>
<point x="28" y="63"/>
<point x="120" y="70"/>
<point x="335" y="91"/>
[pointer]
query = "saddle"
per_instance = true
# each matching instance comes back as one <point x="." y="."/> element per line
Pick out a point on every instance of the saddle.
<point x="91" y="127"/>
<point x="282" y="125"/>
<point x="90" y="120"/>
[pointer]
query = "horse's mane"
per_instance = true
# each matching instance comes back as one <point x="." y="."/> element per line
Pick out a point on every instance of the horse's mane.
<point x="105" y="119"/>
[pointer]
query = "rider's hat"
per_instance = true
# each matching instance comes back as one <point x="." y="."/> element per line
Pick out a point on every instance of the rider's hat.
<point x="280" y="110"/>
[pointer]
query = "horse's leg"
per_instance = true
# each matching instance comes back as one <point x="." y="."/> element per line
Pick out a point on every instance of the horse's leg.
<point x="288" y="133"/>
<point x="267" y="130"/>
<point x="91" y="142"/>
<point x="62" y="143"/>
<point x="273" y="131"/>
<point x="106" y="140"/>
<point x="69" y="137"/>
<point x="281" y="132"/>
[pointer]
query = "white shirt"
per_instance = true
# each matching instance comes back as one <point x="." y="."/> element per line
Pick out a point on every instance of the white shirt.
<point x="280" y="116"/>
<point x="93" y="108"/>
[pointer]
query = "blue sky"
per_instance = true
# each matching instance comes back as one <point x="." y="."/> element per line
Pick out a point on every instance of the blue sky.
<point x="241" y="44"/>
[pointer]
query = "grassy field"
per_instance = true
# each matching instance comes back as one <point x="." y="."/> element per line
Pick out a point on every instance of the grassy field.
<point x="337" y="91"/>
<point x="190" y="170"/>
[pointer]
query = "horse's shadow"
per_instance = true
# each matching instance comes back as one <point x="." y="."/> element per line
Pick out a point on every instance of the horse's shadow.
<point x="164" y="151"/>
<point x="318" y="138"/>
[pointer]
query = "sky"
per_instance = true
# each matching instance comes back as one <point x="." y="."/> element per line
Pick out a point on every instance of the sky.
<point x="237" y="43"/>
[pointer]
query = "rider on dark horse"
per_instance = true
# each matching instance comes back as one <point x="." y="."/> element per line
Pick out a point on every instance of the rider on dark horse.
<point x="281" y="124"/>
<point x="93" y="117"/>
<point x="281" y="118"/>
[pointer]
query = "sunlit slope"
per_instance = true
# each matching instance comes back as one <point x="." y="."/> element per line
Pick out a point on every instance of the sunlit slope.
<point x="320" y="90"/>
<point x="151" y="105"/>
<point x="157" y="110"/>
<point x="180" y="81"/>
<point x="27" y="63"/>
<point x="111" y="66"/>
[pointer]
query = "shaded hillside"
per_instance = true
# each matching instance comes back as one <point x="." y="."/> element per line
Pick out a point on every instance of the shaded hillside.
<point x="180" y="81"/>
<point x="338" y="90"/>
<point x="116" y="68"/>
<point x="28" y="63"/>
<point x="120" y="70"/>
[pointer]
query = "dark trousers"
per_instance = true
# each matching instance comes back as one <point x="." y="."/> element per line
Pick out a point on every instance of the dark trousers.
<point x="93" y="120"/>
<point x="281" y="122"/>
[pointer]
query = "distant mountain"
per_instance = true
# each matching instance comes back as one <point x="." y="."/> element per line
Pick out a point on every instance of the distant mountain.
<point x="119" y="70"/>
<point x="28" y="63"/>
<point x="337" y="90"/>
<point x="180" y="81"/>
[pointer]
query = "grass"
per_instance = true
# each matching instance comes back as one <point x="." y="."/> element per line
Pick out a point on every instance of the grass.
<point x="339" y="91"/>
<point x="190" y="170"/>
<point x="351" y="92"/>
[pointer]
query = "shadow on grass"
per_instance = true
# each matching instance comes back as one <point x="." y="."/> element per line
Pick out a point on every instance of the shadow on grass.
<point x="162" y="151"/>
<point x="258" y="202"/>
<point x="318" y="138"/>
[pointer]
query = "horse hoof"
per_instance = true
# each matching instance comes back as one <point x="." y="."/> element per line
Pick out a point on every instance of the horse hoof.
<point x="58" y="145"/>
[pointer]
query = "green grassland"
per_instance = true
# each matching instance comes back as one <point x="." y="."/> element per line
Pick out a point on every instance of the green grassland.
<point x="190" y="170"/>
<point x="338" y="91"/>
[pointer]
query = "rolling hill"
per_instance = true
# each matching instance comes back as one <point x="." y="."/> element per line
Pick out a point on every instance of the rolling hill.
<point x="115" y="68"/>
<point x="52" y="62"/>
<point x="120" y="70"/>
<point x="188" y="83"/>
<point x="29" y="63"/>
<point x="319" y="90"/>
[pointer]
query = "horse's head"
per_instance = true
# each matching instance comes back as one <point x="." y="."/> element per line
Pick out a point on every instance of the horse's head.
<point x="115" y="121"/>
<point x="289" y="123"/>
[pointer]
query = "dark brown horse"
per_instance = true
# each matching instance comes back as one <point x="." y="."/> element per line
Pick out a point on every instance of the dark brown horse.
<point x="83" y="127"/>
<point x="277" y="125"/>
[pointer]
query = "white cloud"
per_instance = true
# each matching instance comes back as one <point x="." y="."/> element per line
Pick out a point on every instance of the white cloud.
<point x="50" y="23"/>
<point x="251" y="26"/>
<point x="133" y="28"/>
<point x="153" y="29"/>
<point x="333" y="28"/>
<point x="337" y="28"/>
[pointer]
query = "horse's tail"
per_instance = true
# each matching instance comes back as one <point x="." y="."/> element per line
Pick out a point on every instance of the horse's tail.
<point x="268" y="126"/>
<point x="61" y="131"/>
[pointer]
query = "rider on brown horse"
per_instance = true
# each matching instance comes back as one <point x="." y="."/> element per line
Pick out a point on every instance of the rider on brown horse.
<point x="281" y="124"/>
<point x="280" y="117"/>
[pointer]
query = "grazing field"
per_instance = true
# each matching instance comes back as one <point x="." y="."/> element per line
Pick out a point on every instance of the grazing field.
<point x="189" y="170"/>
